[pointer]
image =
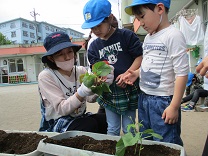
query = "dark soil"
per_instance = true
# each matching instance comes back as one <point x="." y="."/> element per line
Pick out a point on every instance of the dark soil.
<point x="109" y="146"/>
<point x="19" y="143"/>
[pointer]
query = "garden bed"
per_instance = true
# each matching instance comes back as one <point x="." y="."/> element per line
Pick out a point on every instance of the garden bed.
<point x="84" y="143"/>
<point x="21" y="142"/>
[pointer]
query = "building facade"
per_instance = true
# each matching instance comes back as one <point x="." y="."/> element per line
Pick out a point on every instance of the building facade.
<point x="21" y="63"/>
<point x="22" y="31"/>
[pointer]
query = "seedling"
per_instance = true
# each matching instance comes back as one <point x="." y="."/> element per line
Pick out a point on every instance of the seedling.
<point x="133" y="138"/>
<point x="96" y="80"/>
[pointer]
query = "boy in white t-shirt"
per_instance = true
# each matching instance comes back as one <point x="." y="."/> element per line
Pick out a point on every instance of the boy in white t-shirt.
<point x="163" y="72"/>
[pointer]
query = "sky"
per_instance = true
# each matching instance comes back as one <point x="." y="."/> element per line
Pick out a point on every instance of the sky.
<point x="62" y="13"/>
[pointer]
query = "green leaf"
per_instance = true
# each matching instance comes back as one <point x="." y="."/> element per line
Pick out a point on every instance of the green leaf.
<point x="97" y="90"/>
<point x="93" y="80"/>
<point x="105" y="87"/>
<point x="157" y="136"/>
<point x="129" y="126"/>
<point x="101" y="69"/>
<point x="120" y="148"/>
<point x="148" y="131"/>
<point x="127" y="139"/>
<point x="81" y="78"/>
<point x="89" y="80"/>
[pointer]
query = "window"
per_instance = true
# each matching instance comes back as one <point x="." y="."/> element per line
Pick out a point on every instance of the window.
<point x="204" y="10"/>
<point x="82" y="59"/>
<point x="32" y="35"/>
<point x="52" y="29"/>
<point x="12" y="66"/>
<point x="12" y="25"/>
<point x="25" y="33"/>
<point x="16" y="65"/>
<point x="25" y="41"/>
<point x="24" y="25"/>
<point x="47" y="28"/>
<point x="5" y="62"/>
<point x="13" y="34"/>
<point x="31" y="26"/>
<point x="2" y="26"/>
<point x="19" y="65"/>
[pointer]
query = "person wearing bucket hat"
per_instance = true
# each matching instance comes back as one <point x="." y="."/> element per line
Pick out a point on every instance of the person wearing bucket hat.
<point x="122" y="49"/>
<point x="63" y="96"/>
<point x="163" y="72"/>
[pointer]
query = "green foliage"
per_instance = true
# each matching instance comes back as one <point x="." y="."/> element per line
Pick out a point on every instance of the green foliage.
<point x="133" y="138"/>
<point x="94" y="80"/>
<point x="3" y="40"/>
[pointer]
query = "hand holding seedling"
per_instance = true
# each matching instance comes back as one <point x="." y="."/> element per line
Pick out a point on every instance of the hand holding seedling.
<point x="100" y="78"/>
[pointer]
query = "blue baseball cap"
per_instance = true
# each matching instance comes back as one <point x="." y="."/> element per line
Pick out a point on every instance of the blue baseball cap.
<point x="199" y="61"/>
<point x="57" y="41"/>
<point x="128" y="9"/>
<point x="94" y="12"/>
<point x="190" y="78"/>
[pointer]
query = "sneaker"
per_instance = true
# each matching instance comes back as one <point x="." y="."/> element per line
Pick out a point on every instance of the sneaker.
<point x="187" y="108"/>
<point x="184" y="106"/>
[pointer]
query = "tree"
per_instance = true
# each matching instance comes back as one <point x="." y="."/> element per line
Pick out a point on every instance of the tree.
<point x="3" y="40"/>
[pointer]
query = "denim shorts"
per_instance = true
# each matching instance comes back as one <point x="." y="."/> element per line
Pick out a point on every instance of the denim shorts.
<point x="150" y="110"/>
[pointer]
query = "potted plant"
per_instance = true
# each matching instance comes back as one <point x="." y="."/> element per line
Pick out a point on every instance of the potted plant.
<point x="94" y="144"/>
<point x="21" y="142"/>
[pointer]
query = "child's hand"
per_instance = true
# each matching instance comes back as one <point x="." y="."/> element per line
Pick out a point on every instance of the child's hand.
<point x="131" y="77"/>
<point x="202" y="68"/>
<point x="170" y="115"/>
<point x="120" y="81"/>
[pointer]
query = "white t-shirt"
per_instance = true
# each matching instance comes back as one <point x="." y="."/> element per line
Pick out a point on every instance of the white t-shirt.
<point x="164" y="58"/>
<point x="205" y="85"/>
<point x="59" y="99"/>
<point x="193" y="32"/>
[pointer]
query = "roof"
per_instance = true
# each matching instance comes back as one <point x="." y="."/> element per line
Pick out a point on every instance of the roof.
<point x="26" y="49"/>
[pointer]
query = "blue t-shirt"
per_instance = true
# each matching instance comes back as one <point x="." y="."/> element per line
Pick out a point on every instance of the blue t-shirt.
<point x="120" y="50"/>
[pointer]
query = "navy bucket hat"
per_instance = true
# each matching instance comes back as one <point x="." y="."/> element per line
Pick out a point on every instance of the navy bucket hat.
<point x="94" y="12"/>
<point x="128" y="9"/>
<point x="57" y="41"/>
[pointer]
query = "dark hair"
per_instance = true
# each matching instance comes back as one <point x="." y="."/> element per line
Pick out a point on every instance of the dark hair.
<point x="87" y="40"/>
<point x="53" y="66"/>
<point x="136" y="10"/>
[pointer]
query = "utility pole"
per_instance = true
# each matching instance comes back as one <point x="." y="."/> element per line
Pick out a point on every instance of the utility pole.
<point x="34" y="14"/>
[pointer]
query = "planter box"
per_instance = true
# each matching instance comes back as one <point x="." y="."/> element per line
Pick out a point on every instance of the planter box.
<point x="34" y="153"/>
<point x="53" y="149"/>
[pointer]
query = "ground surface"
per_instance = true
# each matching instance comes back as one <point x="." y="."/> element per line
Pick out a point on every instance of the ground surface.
<point x="20" y="110"/>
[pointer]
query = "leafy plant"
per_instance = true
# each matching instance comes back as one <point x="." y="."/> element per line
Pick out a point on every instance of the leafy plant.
<point x="133" y="137"/>
<point x="96" y="80"/>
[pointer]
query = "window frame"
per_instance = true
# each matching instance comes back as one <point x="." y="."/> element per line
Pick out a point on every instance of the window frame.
<point x="16" y="66"/>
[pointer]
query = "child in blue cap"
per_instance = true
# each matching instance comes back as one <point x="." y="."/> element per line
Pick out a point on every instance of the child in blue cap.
<point x="123" y="50"/>
<point x="163" y="72"/>
<point x="194" y="91"/>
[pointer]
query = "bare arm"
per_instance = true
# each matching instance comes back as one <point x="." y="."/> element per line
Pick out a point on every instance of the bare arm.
<point x="170" y="114"/>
